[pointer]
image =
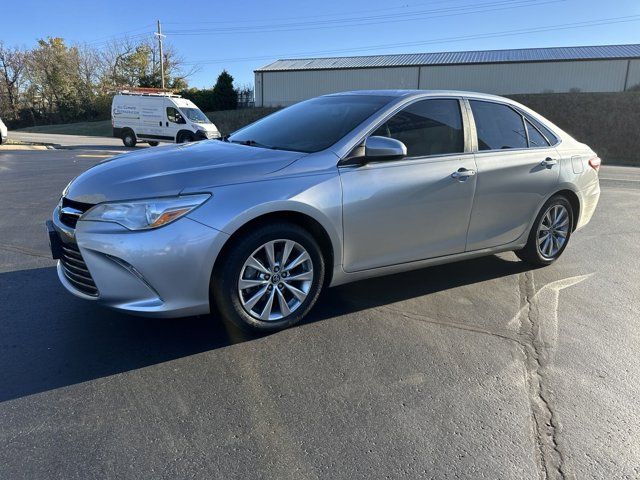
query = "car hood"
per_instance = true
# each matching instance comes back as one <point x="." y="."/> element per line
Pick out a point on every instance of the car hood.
<point x="166" y="171"/>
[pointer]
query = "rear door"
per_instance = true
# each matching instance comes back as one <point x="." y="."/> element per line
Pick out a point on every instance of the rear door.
<point x="411" y="209"/>
<point x="517" y="169"/>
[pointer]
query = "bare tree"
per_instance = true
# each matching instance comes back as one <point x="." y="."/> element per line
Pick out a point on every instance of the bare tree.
<point x="12" y="78"/>
<point x="127" y="63"/>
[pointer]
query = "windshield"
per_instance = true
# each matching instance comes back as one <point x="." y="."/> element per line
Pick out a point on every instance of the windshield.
<point x="312" y="125"/>
<point x="195" y="115"/>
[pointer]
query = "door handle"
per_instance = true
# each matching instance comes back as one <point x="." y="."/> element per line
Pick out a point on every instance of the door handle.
<point x="167" y="123"/>
<point x="160" y="124"/>
<point x="549" y="162"/>
<point x="462" y="174"/>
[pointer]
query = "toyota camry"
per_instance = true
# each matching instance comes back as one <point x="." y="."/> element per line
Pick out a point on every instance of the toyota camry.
<point x="328" y="191"/>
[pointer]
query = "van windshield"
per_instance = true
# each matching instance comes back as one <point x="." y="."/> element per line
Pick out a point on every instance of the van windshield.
<point x="312" y="125"/>
<point x="195" y="115"/>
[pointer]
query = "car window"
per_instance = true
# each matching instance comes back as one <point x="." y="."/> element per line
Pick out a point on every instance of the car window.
<point x="498" y="126"/>
<point x="173" y="115"/>
<point x="550" y="136"/>
<point x="428" y="127"/>
<point x="536" y="139"/>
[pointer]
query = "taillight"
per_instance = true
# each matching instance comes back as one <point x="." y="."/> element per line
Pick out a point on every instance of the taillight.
<point x="595" y="163"/>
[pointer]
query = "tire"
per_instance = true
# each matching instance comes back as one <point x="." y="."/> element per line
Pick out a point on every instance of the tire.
<point x="234" y="301"/>
<point x="544" y="249"/>
<point x="184" y="137"/>
<point x="129" y="138"/>
<point x="153" y="144"/>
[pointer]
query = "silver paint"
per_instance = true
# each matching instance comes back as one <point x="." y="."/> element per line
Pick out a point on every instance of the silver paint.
<point x="380" y="218"/>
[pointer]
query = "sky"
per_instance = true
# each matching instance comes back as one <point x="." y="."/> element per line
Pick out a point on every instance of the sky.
<point x="240" y="36"/>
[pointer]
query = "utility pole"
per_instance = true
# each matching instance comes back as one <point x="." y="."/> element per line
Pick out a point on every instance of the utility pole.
<point x="160" y="37"/>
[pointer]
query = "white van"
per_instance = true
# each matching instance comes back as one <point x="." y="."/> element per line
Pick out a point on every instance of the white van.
<point x="154" y="117"/>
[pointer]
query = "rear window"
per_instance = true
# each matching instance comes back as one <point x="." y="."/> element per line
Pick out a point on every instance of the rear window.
<point x="549" y="135"/>
<point x="499" y="126"/>
<point x="536" y="139"/>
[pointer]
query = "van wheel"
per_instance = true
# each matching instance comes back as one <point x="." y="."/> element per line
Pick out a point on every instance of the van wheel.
<point x="153" y="144"/>
<point x="184" y="137"/>
<point x="129" y="139"/>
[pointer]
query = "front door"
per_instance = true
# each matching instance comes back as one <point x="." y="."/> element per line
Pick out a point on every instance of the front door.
<point x="415" y="208"/>
<point x="517" y="169"/>
<point x="174" y="121"/>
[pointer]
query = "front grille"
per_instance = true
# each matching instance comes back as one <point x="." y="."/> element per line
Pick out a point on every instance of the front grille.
<point x="71" y="210"/>
<point x="75" y="270"/>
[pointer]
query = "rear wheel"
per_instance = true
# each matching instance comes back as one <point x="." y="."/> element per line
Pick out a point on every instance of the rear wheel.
<point x="270" y="278"/>
<point x="153" y="144"/>
<point x="129" y="138"/>
<point x="550" y="233"/>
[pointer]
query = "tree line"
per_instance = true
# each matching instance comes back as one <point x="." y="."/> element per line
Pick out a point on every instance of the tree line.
<point x="54" y="82"/>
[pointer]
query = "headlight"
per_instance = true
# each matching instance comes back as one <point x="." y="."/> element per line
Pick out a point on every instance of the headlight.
<point x="145" y="214"/>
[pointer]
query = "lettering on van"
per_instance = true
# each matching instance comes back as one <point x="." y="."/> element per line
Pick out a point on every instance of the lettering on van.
<point x="126" y="111"/>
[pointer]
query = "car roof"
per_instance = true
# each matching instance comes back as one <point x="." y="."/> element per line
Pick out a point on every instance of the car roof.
<point x="416" y="93"/>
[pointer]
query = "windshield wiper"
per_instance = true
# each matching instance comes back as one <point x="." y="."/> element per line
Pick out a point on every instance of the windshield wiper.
<point x="253" y="143"/>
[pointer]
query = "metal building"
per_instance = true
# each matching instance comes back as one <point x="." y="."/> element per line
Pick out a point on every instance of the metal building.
<point x="608" y="68"/>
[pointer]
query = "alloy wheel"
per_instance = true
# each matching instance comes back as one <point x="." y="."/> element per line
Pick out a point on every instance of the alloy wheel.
<point x="275" y="280"/>
<point x="553" y="231"/>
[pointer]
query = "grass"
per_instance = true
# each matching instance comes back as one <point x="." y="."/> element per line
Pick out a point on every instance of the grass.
<point x="227" y="121"/>
<point x="98" y="129"/>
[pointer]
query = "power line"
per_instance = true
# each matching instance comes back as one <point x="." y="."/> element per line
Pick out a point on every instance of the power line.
<point x="369" y="20"/>
<point x="120" y="35"/>
<point x="506" y="33"/>
<point x="341" y="15"/>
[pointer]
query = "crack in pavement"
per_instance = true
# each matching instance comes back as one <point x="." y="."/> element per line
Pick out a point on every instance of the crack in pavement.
<point x="539" y="322"/>
<point x="549" y="456"/>
<point x="537" y="336"/>
<point x="506" y="335"/>
<point x="25" y="251"/>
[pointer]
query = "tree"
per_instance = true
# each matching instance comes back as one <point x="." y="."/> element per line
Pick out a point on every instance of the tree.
<point x="12" y="78"/>
<point x="127" y="64"/>
<point x="53" y="71"/>
<point x="225" y="96"/>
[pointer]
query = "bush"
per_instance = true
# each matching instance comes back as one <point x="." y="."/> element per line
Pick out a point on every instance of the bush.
<point x="608" y="122"/>
<point x="231" y="120"/>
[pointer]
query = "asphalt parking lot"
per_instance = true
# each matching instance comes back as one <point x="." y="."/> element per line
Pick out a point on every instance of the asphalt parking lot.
<point x="479" y="369"/>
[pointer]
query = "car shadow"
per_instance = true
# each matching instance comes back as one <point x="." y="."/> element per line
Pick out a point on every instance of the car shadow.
<point x="50" y="339"/>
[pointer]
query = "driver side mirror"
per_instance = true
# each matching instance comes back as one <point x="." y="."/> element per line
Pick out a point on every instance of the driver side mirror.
<point x="376" y="149"/>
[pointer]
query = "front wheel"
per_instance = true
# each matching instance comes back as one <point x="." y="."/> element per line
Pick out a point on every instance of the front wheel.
<point x="550" y="233"/>
<point x="270" y="278"/>
<point x="184" y="137"/>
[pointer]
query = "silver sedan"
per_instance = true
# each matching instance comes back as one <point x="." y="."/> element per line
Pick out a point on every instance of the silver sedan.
<point x="331" y="190"/>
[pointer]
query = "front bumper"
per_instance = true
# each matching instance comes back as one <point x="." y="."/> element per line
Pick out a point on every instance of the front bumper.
<point x="201" y="135"/>
<point x="163" y="272"/>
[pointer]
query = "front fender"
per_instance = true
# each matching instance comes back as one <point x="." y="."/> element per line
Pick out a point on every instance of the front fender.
<point x="317" y="196"/>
